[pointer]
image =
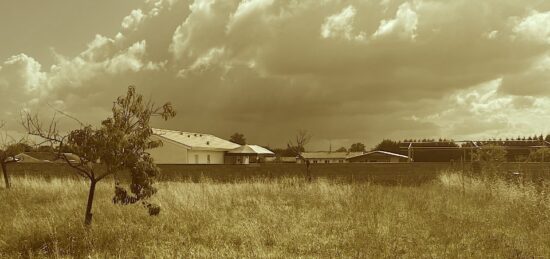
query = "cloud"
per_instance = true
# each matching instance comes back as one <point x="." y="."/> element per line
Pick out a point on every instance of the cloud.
<point x="132" y="21"/>
<point x="534" y="27"/>
<point x="404" y="25"/>
<point x="267" y="68"/>
<point x="22" y="73"/>
<point x="484" y="111"/>
<point x="340" y="25"/>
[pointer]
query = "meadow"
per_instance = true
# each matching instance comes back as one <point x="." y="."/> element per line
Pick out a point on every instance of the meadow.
<point x="446" y="217"/>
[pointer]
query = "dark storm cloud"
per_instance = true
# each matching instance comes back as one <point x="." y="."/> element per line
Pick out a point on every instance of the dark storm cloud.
<point x="346" y="70"/>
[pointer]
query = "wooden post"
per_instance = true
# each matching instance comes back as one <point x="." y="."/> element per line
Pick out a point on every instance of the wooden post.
<point x="462" y="176"/>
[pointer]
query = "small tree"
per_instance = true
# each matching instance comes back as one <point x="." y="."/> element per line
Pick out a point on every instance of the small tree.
<point x="301" y="139"/>
<point x="342" y="149"/>
<point x="238" y="138"/>
<point x="357" y="147"/>
<point x="389" y="146"/>
<point x="9" y="148"/>
<point x="119" y="144"/>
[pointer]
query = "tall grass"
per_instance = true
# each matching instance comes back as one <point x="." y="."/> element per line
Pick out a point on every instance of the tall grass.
<point x="279" y="218"/>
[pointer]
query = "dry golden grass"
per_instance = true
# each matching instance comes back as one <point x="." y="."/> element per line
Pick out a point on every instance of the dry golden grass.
<point x="279" y="219"/>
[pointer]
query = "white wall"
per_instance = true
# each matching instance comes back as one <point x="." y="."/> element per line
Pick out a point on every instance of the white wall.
<point x="169" y="153"/>
<point x="322" y="161"/>
<point x="201" y="157"/>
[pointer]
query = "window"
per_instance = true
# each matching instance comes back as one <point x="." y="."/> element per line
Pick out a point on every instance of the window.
<point x="341" y="161"/>
<point x="196" y="159"/>
<point x="326" y="161"/>
<point x="208" y="158"/>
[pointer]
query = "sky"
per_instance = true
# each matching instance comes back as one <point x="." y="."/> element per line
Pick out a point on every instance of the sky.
<point x="346" y="71"/>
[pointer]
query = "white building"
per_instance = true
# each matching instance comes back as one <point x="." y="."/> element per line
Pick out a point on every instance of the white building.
<point x="190" y="148"/>
<point x="327" y="157"/>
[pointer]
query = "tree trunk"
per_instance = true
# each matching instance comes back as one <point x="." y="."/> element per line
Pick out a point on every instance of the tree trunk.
<point x="88" y="217"/>
<point x="6" y="175"/>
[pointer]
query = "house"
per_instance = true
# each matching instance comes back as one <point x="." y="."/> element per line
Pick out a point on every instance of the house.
<point x="181" y="147"/>
<point x="327" y="157"/>
<point x="45" y="157"/>
<point x="379" y="157"/>
<point x="25" y="158"/>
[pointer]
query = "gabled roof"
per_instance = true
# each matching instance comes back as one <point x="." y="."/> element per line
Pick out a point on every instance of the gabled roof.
<point x="329" y="155"/>
<point x="251" y="150"/>
<point x="381" y="152"/>
<point x="196" y="141"/>
<point x="45" y="157"/>
<point x="25" y="158"/>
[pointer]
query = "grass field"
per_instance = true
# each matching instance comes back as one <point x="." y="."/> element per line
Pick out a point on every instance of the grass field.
<point x="279" y="218"/>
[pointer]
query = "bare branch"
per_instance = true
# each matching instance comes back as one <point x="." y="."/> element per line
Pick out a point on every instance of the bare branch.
<point x="67" y="115"/>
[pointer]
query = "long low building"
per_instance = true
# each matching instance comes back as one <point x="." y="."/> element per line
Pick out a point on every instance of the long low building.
<point x="327" y="157"/>
<point x="352" y="157"/>
<point x="180" y="147"/>
<point x="378" y="156"/>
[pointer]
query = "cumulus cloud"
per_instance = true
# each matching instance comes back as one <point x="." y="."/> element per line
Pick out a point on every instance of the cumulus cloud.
<point x="404" y="25"/>
<point x="340" y="25"/>
<point x="21" y="73"/>
<point x="267" y="68"/>
<point x="132" y="21"/>
<point x="535" y="27"/>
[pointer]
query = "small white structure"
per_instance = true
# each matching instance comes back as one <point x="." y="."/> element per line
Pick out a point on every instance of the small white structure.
<point x="242" y="154"/>
<point x="190" y="148"/>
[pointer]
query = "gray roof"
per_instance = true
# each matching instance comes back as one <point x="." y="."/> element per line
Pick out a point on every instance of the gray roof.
<point x="251" y="150"/>
<point x="196" y="141"/>
<point x="381" y="152"/>
<point x="329" y="155"/>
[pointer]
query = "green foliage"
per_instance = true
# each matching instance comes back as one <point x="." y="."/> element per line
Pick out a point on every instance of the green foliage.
<point x="342" y="149"/>
<point x="119" y="144"/>
<point x="388" y="145"/>
<point x="123" y="143"/>
<point x="491" y="158"/>
<point x="238" y="138"/>
<point x="357" y="147"/>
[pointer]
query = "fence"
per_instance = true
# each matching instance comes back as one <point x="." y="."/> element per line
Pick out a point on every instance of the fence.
<point x="382" y="173"/>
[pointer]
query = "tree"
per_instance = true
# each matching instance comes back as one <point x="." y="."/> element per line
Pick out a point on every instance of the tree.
<point x="120" y="143"/>
<point x="389" y="146"/>
<point x="297" y="146"/>
<point x="357" y="147"/>
<point x="342" y="149"/>
<point x="238" y="138"/>
<point x="9" y="148"/>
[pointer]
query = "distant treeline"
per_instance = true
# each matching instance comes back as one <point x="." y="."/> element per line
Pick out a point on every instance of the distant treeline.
<point x="520" y="149"/>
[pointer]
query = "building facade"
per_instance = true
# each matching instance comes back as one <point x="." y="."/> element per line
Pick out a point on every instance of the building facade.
<point x="326" y="157"/>
<point x="190" y="148"/>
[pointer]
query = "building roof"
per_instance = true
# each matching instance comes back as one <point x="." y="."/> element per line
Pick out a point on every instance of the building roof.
<point x="25" y="158"/>
<point x="250" y="150"/>
<point x="329" y="155"/>
<point x="196" y="141"/>
<point x="380" y="152"/>
<point x="45" y="157"/>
